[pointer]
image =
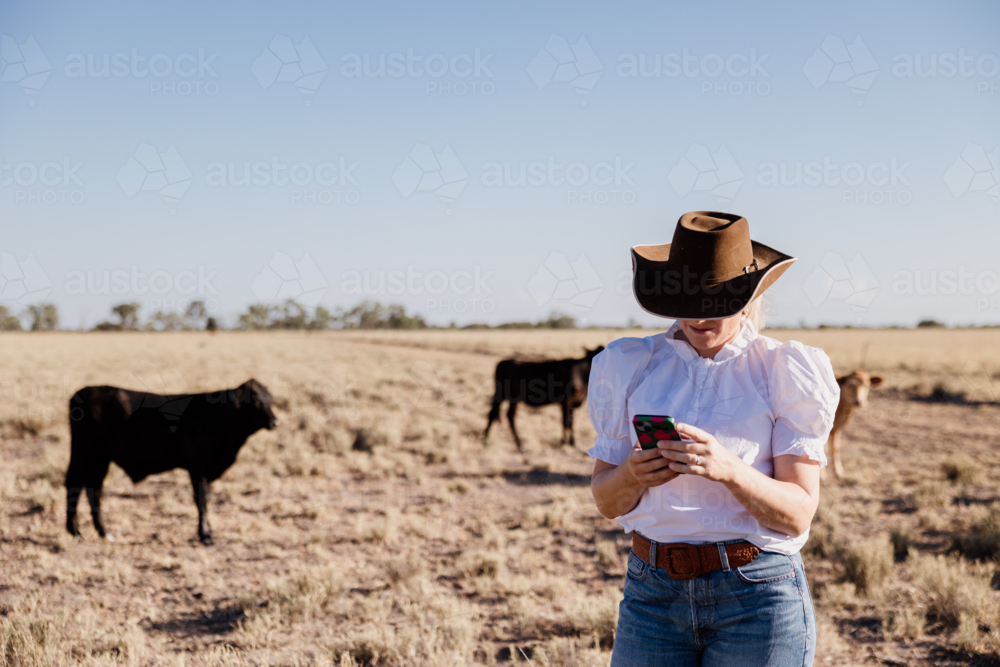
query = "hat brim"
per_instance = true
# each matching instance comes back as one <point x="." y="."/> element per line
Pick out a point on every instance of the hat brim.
<point x="661" y="291"/>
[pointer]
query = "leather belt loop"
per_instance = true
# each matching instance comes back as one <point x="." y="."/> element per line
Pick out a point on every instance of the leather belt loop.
<point x="687" y="561"/>
<point x="724" y="557"/>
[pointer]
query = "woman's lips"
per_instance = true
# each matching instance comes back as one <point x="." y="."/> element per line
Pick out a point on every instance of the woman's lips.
<point x="702" y="331"/>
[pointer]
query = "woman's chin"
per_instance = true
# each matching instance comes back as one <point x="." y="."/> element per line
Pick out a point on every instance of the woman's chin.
<point x="702" y="342"/>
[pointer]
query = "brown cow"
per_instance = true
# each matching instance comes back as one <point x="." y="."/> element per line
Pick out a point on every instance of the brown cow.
<point x="562" y="381"/>
<point x="854" y="389"/>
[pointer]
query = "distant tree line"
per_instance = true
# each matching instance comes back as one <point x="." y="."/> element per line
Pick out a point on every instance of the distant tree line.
<point x="40" y="317"/>
<point x="194" y="318"/>
<point x="366" y="315"/>
<point x="291" y="315"/>
<point x="555" y="321"/>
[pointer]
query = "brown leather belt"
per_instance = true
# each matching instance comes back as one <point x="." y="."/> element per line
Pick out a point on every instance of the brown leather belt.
<point x="687" y="561"/>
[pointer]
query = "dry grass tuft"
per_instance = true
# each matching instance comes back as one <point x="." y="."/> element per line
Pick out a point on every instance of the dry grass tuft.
<point x="31" y="636"/>
<point x="959" y="599"/>
<point x="902" y="541"/>
<point x="961" y="468"/>
<point x="905" y="623"/>
<point x="982" y="540"/>
<point x="866" y="562"/>
<point x="607" y="553"/>
<point x="474" y="564"/>
<point x="820" y="543"/>
<point x="571" y="652"/>
<point x="930" y="496"/>
<point x="593" y="616"/>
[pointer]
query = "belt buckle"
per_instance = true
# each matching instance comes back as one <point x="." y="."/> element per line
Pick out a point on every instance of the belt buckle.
<point x="693" y="554"/>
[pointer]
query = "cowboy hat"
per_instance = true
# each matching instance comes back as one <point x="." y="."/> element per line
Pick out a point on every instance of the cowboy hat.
<point x="711" y="270"/>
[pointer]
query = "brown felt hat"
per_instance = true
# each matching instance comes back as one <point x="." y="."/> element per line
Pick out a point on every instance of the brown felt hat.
<point x="711" y="270"/>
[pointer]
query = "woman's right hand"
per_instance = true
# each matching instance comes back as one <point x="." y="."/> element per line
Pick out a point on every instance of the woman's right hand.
<point x="649" y="467"/>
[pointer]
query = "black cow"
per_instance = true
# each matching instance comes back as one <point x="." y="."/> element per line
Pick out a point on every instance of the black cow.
<point x="562" y="381"/>
<point x="149" y="433"/>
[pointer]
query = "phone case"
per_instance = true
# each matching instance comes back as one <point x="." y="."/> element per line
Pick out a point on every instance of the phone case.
<point x="650" y="428"/>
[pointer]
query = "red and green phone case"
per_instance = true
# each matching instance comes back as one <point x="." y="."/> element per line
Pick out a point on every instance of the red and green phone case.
<point x="650" y="428"/>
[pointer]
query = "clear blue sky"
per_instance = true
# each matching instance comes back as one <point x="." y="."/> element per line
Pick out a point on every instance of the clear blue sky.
<point x="637" y="113"/>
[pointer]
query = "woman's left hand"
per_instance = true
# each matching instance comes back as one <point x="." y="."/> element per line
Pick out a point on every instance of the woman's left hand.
<point x="704" y="457"/>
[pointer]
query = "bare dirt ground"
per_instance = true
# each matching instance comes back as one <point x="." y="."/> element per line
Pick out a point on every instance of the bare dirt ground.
<point x="422" y="547"/>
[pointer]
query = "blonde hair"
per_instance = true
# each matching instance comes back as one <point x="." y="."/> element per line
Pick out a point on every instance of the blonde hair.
<point x="757" y="311"/>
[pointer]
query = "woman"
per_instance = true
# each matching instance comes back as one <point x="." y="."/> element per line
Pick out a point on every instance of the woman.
<point x="717" y="519"/>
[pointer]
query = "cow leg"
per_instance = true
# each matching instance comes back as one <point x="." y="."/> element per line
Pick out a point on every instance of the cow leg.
<point x="72" y="499"/>
<point x="95" y="488"/>
<point x="201" y="489"/>
<point x="94" y="483"/>
<point x="94" y="496"/>
<point x="494" y="417"/>
<point x="838" y="467"/>
<point x="511" y="411"/>
<point x="74" y="486"/>
<point x="567" y="422"/>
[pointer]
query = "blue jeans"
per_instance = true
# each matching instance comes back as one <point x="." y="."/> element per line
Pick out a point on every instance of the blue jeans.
<point x="759" y="614"/>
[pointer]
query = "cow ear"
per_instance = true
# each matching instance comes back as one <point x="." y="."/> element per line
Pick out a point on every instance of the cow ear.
<point x="876" y="380"/>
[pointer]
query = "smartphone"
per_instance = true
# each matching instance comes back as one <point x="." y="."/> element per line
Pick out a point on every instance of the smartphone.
<point x="650" y="428"/>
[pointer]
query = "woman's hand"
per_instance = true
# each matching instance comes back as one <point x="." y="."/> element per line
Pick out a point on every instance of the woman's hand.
<point x="617" y="489"/>
<point x="649" y="468"/>
<point x="705" y="456"/>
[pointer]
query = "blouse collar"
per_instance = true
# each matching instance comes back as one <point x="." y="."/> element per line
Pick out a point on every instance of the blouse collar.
<point x="744" y="339"/>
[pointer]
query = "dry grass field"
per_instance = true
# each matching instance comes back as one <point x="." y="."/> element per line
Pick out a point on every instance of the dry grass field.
<point x="422" y="547"/>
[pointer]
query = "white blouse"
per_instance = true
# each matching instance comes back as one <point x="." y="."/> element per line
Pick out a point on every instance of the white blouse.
<point x="759" y="397"/>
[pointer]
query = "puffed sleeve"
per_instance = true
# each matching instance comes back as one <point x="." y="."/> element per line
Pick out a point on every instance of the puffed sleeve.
<point x="612" y="376"/>
<point x="804" y="396"/>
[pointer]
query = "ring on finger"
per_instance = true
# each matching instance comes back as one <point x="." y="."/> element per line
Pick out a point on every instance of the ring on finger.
<point x="697" y="461"/>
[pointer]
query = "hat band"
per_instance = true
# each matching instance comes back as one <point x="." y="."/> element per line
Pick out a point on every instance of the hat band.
<point x="711" y="277"/>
